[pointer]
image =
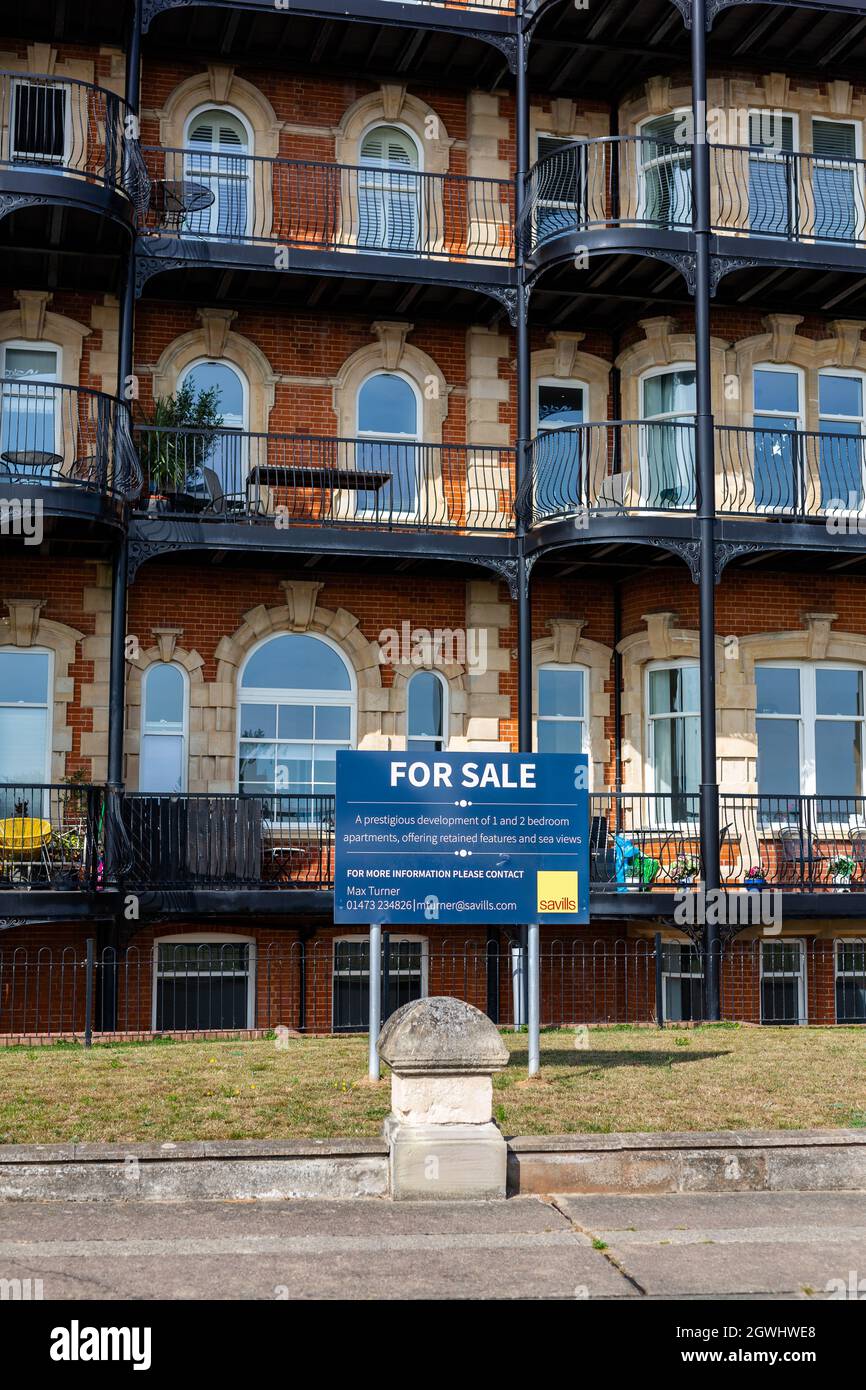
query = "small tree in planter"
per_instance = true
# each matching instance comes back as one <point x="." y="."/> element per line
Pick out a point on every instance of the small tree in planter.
<point x="686" y="870"/>
<point x="182" y="431"/>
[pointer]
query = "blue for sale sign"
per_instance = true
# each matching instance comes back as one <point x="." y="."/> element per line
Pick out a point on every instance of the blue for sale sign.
<point x="493" y="838"/>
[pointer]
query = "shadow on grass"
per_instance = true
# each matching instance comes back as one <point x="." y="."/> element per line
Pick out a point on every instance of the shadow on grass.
<point x="575" y="1057"/>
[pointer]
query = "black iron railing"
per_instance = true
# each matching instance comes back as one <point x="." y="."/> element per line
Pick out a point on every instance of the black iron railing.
<point x="615" y="466"/>
<point x="205" y="840"/>
<point x="65" y="436"/>
<point x="52" y="836"/>
<point x="638" y="181"/>
<point x="795" y="474"/>
<point x="232" y="987"/>
<point x="310" y="480"/>
<point x="643" y="841"/>
<point x="59" y="124"/>
<point x="795" y="843"/>
<point x="302" y="204"/>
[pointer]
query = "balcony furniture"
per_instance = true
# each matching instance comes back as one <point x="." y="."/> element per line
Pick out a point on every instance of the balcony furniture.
<point x="303" y="476"/>
<point x="175" y="199"/>
<point x="24" y="842"/>
<point x="23" y="464"/>
<point x="799" y="856"/>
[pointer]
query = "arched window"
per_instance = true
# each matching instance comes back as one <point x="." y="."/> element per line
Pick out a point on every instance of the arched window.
<point x="162" y="765"/>
<point x="665" y="164"/>
<point x="218" y="462"/>
<point x="297" y="708"/>
<point x="425" y="713"/>
<point x="389" y="191"/>
<point x="388" y="428"/>
<point x="216" y="159"/>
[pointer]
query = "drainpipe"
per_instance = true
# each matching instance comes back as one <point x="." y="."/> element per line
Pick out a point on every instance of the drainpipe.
<point x="709" y="791"/>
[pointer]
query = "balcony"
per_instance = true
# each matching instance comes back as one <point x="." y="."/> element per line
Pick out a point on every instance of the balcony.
<point x="51" y="839"/>
<point x="784" y="205"/>
<point x="621" y="468"/>
<point x="289" y="481"/>
<point x="65" y="452"/>
<point x="314" y="217"/>
<point x="63" y="141"/>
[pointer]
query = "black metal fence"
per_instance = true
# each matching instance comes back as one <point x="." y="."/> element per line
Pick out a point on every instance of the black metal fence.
<point x="308" y="480"/>
<point x="232" y="983"/>
<point x="48" y="122"/>
<point x="384" y="209"/>
<point x="767" y="191"/>
<point x="55" y="436"/>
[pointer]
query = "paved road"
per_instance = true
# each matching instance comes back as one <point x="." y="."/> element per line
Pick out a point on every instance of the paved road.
<point x="732" y="1245"/>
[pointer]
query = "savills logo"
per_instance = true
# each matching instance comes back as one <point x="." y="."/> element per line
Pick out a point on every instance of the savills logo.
<point x="556" y="890"/>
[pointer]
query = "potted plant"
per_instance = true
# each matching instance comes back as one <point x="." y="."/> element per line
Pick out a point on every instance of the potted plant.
<point x="842" y="870"/>
<point x="686" y="870"/>
<point x="177" y="441"/>
<point x="755" y="878"/>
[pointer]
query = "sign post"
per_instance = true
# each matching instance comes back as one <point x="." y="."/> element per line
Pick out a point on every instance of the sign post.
<point x="492" y="839"/>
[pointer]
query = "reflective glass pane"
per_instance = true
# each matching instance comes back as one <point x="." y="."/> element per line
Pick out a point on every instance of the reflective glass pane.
<point x="334" y="722"/>
<point x="258" y="721"/>
<point x="164" y="697"/>
<point x="425" y="706"/>
<point x="777" y="391"/>
<point x="838" y="692"/>
<point x="779" y="756"/>
<point x="295" y="721"/>
<point x="387" y="405"/>
<point x="669" y="393"/>
<point x="207" y="375"/>
<point x="296" y="662"/>
<point x="559" y="405"/>
<point x="161" y="763"/>
<point x="838" y="757"/>
<point x="23" y="678"/>
<point x="840" y="395"/>
<point x="674" y="690"/>
<point x="778" y="689"/>
<point x="23" y="740"/>
<point x="560" y="692"/>
<point x="295" y="767"/>
<point x="560" y="736"/>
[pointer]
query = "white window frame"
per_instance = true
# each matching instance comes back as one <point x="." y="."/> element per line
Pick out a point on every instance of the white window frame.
<point x="49" y="706"/>
<point x="207" y="939"/>
<point x="380" y="123"/>
<point x="840" y="944"/>
<point x="415" y="439"/>
<point x="273" y="695"/>
<point x="679" y="664"/>
<point x="674" y="416"/>
<point x="156" y="732"/>
<point x="243" y="429"/>
<point x="787" y="369"/>
<point x="61" y="161"/>
<point x="564" y="718"/>
<point x="683" y="113"/>
<point x="857" y="171"/>
<point x="395" y="939"/>
<point x="568" y="384"/>
<point x="443" y="685"/>
<point x="195" y="174"/>
<point x="773" y="156"/>
<point x="10" y="383"/>
<point x="809" y="717"/>
<point x="846" y="373"/>
<point x="802" y="991"/>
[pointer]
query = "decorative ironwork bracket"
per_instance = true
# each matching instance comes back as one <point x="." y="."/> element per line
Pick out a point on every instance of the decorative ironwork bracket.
<point x="509" y="570"/>
<point x="724" y="265"/>
<point x="148" y="266"/>
<point x="11" y="202"/>
<point x="683" y="261"/>
<point x="726" y="551"/>
<point x="151" y="8"/>
<point x="507" y="296"/>
<point x="139" y="551"/>
<point x="690" y="551"/>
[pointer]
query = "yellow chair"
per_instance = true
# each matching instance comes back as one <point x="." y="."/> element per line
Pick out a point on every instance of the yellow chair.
<point x="24" y="841"/>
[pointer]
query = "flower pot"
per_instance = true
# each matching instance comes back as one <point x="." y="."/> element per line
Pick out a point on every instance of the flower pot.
<point x="842" y="882"/>
<point x="755" y="885"/>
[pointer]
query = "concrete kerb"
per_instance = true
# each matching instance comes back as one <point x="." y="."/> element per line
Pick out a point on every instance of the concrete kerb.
<point x="617" y="1164"/>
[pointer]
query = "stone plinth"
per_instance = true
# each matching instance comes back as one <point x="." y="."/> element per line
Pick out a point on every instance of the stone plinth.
<point x="443" y="1142"/>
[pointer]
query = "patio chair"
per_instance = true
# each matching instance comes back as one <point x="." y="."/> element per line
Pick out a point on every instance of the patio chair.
<point x="800" y="856"/>
<point x="24" y="842"/>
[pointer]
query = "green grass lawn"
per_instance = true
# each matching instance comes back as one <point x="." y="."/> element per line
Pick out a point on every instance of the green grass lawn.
<point x="722" y="1077"/>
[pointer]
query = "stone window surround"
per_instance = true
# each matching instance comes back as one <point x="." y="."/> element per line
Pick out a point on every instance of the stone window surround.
<point x="24" y="627"/>
<point x="563" y="360"/>
<point x="567" y="646"/>
<point x="736" y="734"/>
<point x="216" y="341"/>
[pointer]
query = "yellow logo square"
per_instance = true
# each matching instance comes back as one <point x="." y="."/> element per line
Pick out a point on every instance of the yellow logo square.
<point x="556" y="890"/>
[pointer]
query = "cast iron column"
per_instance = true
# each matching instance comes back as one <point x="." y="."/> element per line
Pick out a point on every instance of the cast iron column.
<point x="524" y="432"/>
<point x="706" y="493"/>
